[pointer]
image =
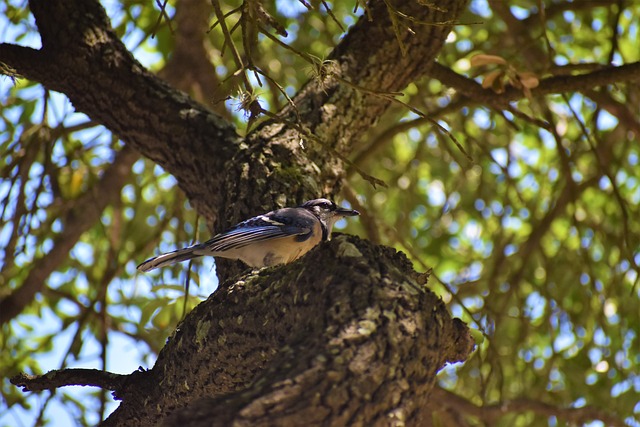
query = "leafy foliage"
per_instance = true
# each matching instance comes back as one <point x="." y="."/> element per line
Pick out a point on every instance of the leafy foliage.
<point x="534" y="241"/>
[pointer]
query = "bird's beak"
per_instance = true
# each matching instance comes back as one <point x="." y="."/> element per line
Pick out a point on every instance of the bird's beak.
<point x="340" y="211"/>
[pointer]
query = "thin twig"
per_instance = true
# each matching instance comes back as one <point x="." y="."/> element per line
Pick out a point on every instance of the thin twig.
<point x="391" y="96"/>
<point x="330" y="12"/>
<point x="226" y="15"/>
<point x="227" y="35"/>
<point x="163" y="13"/>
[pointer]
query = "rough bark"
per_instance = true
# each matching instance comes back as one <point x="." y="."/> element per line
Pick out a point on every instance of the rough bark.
<point x="84" y="59"/>
<point x="343" y="336"/>
<point x="348" y="335"/>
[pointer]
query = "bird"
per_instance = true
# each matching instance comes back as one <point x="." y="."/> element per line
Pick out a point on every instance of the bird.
<point x="277" y="237"/>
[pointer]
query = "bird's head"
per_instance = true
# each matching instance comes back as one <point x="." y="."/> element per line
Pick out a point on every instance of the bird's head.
<point x="328" y="213"/>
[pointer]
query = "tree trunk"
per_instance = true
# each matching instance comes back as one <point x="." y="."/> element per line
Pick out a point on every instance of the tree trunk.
<point x="348" y="335"/>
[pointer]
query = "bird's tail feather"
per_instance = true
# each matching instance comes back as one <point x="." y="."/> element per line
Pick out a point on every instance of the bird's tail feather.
<point x="169" y="258"/>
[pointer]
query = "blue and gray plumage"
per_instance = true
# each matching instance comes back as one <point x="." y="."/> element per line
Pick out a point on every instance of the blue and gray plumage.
<point x="276" y="237"/>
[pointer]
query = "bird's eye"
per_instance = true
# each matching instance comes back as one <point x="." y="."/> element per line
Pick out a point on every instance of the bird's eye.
<point x="326" y="206"/>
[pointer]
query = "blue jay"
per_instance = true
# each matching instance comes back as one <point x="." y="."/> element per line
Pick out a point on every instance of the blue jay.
<point x="277" y="237"/>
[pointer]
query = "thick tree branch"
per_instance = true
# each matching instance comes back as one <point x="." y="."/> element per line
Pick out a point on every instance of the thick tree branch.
<point x="349" y="332"/>
<point x="443" y="399"/>
<point x="66" y="377"/>
<point x="19" y="61"/>
<point x="607" y="75"/>
<point x="191" y="18"/>
<point x="82" y="58"/>
<point x="195" y="145"/>
<point x="351" y="313"/>
<point x="282" y="161"/>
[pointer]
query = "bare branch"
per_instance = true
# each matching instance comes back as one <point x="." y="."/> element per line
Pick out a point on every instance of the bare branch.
<point x="628" y="73"/>
<point x="66" y="377"/>
<point x="441" y="398"/>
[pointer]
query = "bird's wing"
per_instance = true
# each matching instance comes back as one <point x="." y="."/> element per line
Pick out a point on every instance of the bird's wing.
<point x="285" y="222"/>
